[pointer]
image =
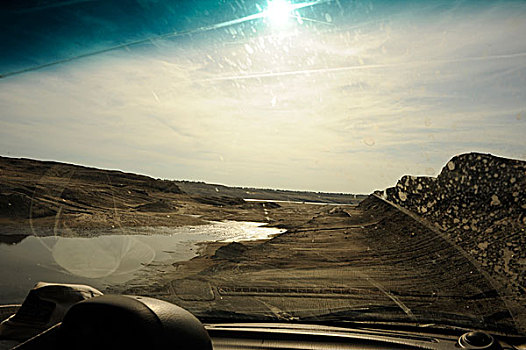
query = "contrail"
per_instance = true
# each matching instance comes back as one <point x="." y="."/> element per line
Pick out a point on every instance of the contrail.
<point x="363" y="67"/>
<point x="203" y="29"/>
<point x="296" y="72"/>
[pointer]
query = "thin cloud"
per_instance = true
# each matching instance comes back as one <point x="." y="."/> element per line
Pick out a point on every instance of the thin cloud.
<point x="350" y="109"/>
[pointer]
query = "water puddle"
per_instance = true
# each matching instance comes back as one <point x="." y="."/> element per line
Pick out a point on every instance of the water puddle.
<point x="107" y="259"/>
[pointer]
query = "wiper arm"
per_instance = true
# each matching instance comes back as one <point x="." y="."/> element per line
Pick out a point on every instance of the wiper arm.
<point x="358" y="313"/>
<point x="420" y="318"/>
<point x="370" y="315"/>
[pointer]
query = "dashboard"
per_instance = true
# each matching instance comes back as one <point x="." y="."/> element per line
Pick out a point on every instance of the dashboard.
<point x="138" y="322"/>
<point x="313" y="337"/>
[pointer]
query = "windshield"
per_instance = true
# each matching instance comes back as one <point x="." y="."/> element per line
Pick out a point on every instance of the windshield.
<point x="317" y="161"/>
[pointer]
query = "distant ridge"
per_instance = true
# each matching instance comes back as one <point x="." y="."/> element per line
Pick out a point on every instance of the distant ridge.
<point x="32" y="189"/>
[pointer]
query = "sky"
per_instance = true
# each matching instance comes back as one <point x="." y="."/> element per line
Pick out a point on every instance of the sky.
<point x="331" y="96"/>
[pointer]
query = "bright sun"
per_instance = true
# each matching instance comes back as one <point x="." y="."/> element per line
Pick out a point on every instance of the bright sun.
<point x="278" y="11"/>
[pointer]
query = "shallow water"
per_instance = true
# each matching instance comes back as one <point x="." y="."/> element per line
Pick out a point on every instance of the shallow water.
<point x="289" y="202"/>
<point x="107" y="259"/>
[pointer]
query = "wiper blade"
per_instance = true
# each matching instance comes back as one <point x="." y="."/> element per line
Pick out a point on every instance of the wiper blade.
<point x="372" y="315"/>
<point x="421" y="318"/>
<point x="389" y="312"/>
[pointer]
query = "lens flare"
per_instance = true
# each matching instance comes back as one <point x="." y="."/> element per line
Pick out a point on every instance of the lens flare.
<point x="278" y="11"/>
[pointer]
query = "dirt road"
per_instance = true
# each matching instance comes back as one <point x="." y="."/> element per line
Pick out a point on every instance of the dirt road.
<point x="355" y="262"/>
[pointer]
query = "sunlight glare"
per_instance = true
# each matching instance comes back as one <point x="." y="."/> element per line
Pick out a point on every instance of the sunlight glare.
<point x="278" y="11"/>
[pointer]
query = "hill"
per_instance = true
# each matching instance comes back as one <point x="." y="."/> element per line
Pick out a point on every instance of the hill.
<point x="57" y="198"/>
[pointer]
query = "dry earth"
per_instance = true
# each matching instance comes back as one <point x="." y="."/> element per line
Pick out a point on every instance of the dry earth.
<point x="50" y="198"/>
<point x="377" y="259"/>
<point x="357" y="262"/>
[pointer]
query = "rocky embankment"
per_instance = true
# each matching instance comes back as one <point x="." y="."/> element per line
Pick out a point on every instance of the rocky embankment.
<point x="479" y="201"/>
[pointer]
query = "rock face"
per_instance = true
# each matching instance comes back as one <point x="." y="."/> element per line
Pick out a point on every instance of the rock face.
<point x="479" y="200"/>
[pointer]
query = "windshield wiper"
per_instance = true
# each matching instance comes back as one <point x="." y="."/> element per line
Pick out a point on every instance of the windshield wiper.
<point x="500" y="323"/>
<point x="421" y="318"/>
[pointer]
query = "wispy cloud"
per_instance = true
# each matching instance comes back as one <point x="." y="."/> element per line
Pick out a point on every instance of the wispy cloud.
<point x="349" y="108"/>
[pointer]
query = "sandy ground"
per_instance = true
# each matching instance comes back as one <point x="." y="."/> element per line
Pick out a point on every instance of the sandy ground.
<point x="355" y="262"/>
<point x="352" y="262"/>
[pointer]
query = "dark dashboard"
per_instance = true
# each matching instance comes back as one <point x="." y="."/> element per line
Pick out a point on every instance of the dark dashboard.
<point x="305" y="336"/>
<point x="135" y="322"/>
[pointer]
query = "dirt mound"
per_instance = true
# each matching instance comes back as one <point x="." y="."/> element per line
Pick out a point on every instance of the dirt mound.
<point x="339" y="212"/>
<point x="165" y="186"/>
<point x="479" y="201"/>
<point x="260" y="205"/>
<point x="231" y="251"/>
<point x="219" y="201"/>
<point x="156" y="207"/>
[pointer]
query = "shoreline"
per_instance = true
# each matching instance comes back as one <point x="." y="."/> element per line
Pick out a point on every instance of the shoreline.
<point x="108" y="259"/>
